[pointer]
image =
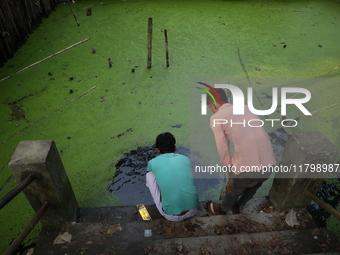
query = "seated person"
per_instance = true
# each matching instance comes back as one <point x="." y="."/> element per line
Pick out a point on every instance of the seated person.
<point x="170" y="182"/>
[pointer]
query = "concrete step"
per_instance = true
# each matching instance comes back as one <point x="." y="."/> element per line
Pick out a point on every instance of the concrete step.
<point x="130" y="213"/>
<point x="108" y="231"/>
<point x="276" y="242"/>
<point x="258" y="230"/>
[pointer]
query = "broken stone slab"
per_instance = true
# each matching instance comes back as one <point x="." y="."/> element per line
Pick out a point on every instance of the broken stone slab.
<point x="304" y="151"/>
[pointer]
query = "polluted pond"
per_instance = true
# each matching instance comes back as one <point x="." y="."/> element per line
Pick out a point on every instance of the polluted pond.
<point x="129" y="182"/>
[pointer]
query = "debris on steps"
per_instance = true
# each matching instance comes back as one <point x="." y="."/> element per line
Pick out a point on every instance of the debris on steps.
<point x="120" y="230"/>
<point x="277" y="242"/>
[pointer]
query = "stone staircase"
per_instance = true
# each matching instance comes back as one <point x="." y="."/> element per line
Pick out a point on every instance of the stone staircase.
<point x="258" y="230"/>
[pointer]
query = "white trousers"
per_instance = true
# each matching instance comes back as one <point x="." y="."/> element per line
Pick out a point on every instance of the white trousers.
<point x="151" y="183"/>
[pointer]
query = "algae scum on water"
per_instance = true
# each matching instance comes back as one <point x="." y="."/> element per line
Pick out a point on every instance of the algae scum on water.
<point x="127" y="110"/>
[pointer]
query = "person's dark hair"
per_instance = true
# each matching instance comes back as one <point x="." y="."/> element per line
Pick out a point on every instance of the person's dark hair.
<point x="222" y="94"/>
<point x="165" y="142"/>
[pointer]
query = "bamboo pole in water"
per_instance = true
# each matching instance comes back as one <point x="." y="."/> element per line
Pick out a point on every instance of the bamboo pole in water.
<point x="166" y="47"/>
<point x="149" y="41"/>
<point x="73" y="12"/>
<point x="44" y="59"/>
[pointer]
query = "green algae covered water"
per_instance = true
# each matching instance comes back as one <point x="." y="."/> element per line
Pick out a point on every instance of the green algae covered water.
<point x="105" y="112"/>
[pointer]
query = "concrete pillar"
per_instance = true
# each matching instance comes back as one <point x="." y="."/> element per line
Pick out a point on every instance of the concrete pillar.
<point x="42" y="158"/>
<point x="310" y="148"/>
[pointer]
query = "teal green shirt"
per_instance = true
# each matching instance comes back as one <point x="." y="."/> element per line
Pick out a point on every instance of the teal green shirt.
<point x="173" y="176"/>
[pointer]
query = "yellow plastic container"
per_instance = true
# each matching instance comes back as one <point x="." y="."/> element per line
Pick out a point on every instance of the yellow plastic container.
<point x="143" y="212"/>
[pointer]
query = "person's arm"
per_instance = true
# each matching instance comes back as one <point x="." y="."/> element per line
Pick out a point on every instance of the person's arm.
<point x="221" y="144"/>
<point x="148" y="168"/>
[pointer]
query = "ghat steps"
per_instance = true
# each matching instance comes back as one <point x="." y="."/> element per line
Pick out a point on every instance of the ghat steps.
<point x="258" y="230"/>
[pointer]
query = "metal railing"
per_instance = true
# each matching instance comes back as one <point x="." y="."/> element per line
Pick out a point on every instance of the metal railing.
<point x="12" y="194"/>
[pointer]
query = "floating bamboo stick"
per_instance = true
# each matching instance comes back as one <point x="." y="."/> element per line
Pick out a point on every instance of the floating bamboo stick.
<point x="64" y="16"/>
<point x="166" y="47"/>
<point x="302" y="116"/>
<point x="73" y="13"/>
<point x="279" y="106"/>
<point x="149" y="41"/>
<point x="247" y="76"/>
<point x="278" y="9"/>
<point x="54" y="54"/>
<point x="39" y="120"/>
<point x="317" y="80"/>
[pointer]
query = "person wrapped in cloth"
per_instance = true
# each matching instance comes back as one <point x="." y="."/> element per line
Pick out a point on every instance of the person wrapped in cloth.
<point x="170" y="182"/>
<point x="252" y="150"/>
